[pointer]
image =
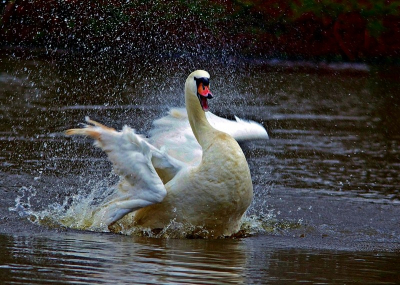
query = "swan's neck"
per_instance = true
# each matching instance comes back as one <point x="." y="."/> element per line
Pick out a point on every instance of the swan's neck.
<point x="197" y="118"/>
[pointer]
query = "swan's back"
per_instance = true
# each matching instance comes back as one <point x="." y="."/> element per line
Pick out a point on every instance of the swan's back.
<point x="212" y="196"/>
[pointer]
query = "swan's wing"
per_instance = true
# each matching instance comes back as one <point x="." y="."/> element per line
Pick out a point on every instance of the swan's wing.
<point x="131" y="156"/>
<point x="240" y="130"/>
<point x="173" y="132"/>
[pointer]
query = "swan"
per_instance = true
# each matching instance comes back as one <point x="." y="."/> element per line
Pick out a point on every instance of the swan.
<point x="190" y="170"/>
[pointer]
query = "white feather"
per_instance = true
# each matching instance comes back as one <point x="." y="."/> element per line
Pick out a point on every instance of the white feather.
<point x="173" y="132"/>
<point x="140" y="185"/>
<point x="203" y="193"/>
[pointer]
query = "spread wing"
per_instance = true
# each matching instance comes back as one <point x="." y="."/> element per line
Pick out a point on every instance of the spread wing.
<point x="146" y="165"/>
<point x="174" y="135"/>
<point x="239" y="129"/>
<point x="132" y="157"/>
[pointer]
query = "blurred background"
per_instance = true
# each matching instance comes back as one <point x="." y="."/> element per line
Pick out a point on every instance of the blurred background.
<point x="335" y="30"/>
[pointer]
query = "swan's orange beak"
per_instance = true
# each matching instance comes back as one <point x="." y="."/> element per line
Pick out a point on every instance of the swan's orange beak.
<point x="204" y="93"/>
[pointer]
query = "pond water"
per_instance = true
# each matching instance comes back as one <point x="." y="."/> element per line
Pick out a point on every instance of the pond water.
<point x="327" y="187"/>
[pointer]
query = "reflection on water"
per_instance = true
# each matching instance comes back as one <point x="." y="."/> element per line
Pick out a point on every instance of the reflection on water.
<point x="92" y="258"/>
<point x="326" y="182"/>
<point x="83" y="258"/>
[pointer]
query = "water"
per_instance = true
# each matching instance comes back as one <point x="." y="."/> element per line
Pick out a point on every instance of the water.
<point x="327" y="197"/>
<point x="81" y="258"/>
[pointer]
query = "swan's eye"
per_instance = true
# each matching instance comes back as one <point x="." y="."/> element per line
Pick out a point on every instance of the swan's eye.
<point x="203" y="80"/>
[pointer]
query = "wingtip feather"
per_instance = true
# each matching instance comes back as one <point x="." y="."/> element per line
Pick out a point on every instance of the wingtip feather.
<point x="89" y="130"/>
<point x="97" y="124"/>
<point x="84" y="132"/>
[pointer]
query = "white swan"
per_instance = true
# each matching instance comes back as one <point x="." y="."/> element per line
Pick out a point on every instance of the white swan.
<point x="192" y="174"/>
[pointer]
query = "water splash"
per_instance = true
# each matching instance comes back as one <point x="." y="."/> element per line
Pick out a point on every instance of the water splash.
<point x="77" y="211"/>
<point x="23" y="203"/>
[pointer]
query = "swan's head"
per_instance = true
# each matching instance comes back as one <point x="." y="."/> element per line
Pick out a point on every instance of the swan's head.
<point x="199" y="83"/>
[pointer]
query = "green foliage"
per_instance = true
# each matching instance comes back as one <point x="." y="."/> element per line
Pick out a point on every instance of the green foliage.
<point x="111" y="18"/>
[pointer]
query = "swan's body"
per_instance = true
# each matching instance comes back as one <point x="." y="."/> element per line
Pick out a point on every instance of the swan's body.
<point x="203" y="182"/>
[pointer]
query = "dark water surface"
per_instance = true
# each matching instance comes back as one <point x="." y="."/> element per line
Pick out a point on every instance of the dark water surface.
<point x="327" y="185"/>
